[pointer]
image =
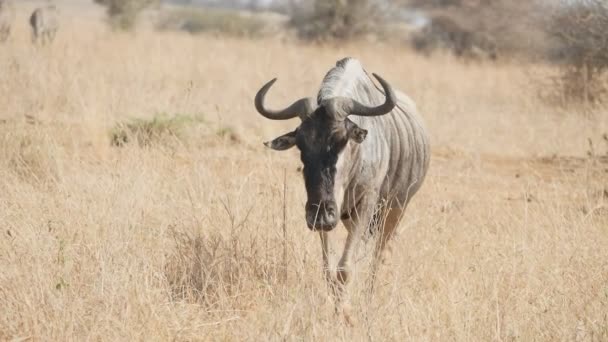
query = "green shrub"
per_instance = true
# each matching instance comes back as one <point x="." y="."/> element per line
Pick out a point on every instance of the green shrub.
<point x="122" y="14"/>
<point x="338" y="19"/>
<point x="208" y="20"/>
<point x="145" y="132"/>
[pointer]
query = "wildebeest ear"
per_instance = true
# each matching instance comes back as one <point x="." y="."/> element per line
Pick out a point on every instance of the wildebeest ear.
<point x="284" y="142"/>
<point x="355" y="132"/>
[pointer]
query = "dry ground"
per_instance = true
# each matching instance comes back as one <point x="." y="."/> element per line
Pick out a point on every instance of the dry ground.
<point x="182" y="239"/>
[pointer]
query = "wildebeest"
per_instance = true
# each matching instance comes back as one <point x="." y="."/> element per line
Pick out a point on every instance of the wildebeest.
<point x="44" y="23"/>
<point x="364" y="156"/>
<point x="6" y="19"/>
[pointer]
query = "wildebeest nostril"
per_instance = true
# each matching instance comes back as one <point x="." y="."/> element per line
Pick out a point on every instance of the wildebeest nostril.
<point x="329" y="211"/>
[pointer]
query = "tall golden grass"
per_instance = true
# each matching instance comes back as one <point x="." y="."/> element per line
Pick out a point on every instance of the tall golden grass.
<point x="182" y="238"/>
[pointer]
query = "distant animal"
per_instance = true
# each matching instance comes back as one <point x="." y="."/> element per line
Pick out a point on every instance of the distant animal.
<point x="7" y="15"/>
<point x="44" y="22"/>
<point x="365" y="153"/>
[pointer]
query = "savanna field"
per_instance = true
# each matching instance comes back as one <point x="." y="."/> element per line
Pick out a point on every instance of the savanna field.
<point x="137" y="201"/>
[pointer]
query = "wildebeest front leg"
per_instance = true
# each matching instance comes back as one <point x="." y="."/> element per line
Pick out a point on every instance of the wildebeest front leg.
<point x="338" y="281"/>
<point x="345" y="272"/>
<point x="326" y="250"/>
<point x="356" y="225"/>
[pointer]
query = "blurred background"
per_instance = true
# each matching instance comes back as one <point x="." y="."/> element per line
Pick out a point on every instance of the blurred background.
<point x="137" y="201"/>
<point x="569" y="33"/>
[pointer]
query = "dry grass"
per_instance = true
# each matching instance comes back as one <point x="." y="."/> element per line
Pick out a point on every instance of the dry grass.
<point x="182" y="240"/>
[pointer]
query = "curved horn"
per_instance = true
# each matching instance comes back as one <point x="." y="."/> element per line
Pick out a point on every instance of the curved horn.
<point x="342" y="107"/>
<point x="389" y="104"/>
<point x="301" y="108"/>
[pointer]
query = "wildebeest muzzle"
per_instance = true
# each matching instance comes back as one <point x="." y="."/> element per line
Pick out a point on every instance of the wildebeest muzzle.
<point x="322" y="216"/>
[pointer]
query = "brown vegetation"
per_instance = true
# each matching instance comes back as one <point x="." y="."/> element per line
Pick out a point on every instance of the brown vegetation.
<point x="485" y="28"/>
<point x="571" y="35"/>
<point x="182" y="239"/>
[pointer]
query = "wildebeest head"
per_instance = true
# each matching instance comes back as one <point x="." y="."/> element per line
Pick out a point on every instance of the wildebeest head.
<point x="323" y="138"/>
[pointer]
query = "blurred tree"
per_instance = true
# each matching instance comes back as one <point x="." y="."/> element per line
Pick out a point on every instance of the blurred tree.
<point x="122" y="14"/>
<point x="579" y="31"/>
<point x="338" y="19"/>
<point x="497" y="27"/>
